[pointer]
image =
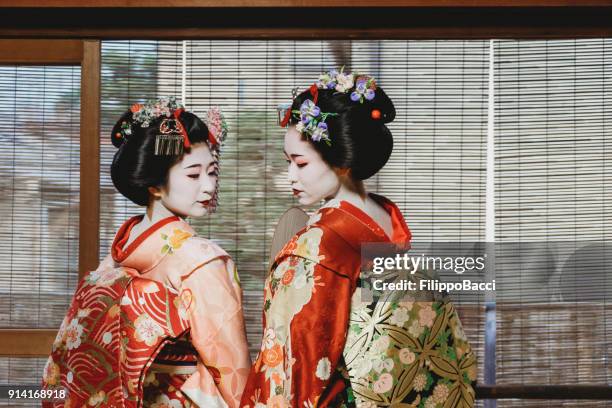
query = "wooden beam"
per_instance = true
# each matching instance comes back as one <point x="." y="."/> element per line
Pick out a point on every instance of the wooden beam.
<point x="89" y="208"/>
<point x="300" y="3"/>
<point x="429" y="33"/>
<point x="26" y="342"/>
<point x="548" y="392"/>
<point x="283" y="23"/>
<point x="41" y="52"/>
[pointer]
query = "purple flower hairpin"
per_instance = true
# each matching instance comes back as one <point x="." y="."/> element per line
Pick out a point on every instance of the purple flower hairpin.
<point x="312" y="122"/>
<point x="364" y="89"/>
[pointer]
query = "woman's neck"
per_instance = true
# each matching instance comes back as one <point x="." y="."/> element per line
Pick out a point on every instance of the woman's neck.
<point x="156" y="211"/>
<point x="352" y="191"/>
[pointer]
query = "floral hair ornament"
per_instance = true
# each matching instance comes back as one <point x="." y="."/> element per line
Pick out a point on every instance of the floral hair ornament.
<point x="364" y="89"/>
<point x="217" y="133"/>
<point x="364" y="86"/>
<point x="217" y="126"/>
<point x="171" y="138"/>
<point x="312" y="122"/>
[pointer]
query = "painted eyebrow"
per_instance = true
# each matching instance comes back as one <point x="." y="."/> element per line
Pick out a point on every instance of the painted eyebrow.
<point x="193" y="166"/>
<point x="293" y="155"/>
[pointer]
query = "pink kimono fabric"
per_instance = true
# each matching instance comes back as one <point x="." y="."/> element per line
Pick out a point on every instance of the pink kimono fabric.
<point x="158" y="324"/>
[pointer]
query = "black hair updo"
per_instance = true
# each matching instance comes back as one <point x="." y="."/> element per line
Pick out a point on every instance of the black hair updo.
<point x="135" y="166"/>
<point x="360" y="140"/>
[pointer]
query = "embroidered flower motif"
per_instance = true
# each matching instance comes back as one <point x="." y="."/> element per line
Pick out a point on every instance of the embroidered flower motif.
<point x="399" y="317"/>
<point x="83" y="312"/>
<point x="381" y="344"/>
<point x="430" y="403"/>
<point x="187" y="299"/>
<point x="174" y="241"/>
<point x="472" y="372"/>
<point x="113" y="311"/>
<point x="383" y="384"/>
<point x="276" y="378"/>
<point x="277" y="401"/>
<point x="323" y="369"/>
<point x="105" y="276"/>
<point x="288" y="277"/>
<point x="96" y="398"/>
<point x="51" y="372"/>
<point x="147" y="329"/>
<point x="163" y="401"/>
<point x="406" y="356"/>
<point x="74" y="331"/>
<point x="440" y="393"/>
<point x="380" y="364"/>
<point x="419" y="382"/>
<point x="407" y="304"/>
<point x="458" y="331"/>
<point x="358" y="304"/>
<point x="107" y="338"/>
<point x="150" y="379"/>
<point x="362" y="368"/>
<point x="268" y="339"/>
<point x="427" y="316"/>
<point x="273" y="356"/>
<point x="415" y="329"/>
<point x="61" y="334"/>
<point x="388" y="364"/>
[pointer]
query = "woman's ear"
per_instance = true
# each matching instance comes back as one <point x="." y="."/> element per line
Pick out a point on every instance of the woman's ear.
<point x="155" y="192"/>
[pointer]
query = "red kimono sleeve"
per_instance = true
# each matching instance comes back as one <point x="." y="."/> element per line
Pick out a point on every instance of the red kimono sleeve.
<point x="306" y="314"/>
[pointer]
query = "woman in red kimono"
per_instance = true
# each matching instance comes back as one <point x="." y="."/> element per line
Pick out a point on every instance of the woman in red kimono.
<point x="323" y="346"/>
<point x="159" y="323"/>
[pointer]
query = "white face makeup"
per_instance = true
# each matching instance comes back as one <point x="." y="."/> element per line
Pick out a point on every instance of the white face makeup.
<point x="311" y="178"/>
<point x="191" y="183"/>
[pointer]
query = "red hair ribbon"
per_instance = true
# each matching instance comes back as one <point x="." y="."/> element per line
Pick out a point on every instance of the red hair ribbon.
<point x="177" y="114"/>
<point x="212" y="139"/>
<point x="314" y="91"/>
<point x="285" y="120"/>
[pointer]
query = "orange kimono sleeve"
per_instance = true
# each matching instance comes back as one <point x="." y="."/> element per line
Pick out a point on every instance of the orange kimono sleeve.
<point x="212" y="299"/>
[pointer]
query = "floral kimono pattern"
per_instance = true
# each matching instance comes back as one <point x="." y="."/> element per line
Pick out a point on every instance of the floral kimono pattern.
<point x="323" y="347"/>
<point x="158" y="324"/>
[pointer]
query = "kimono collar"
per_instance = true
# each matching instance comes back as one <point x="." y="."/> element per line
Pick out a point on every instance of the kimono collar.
<point x="148" y="249"/>
<point x="357" y="227"/>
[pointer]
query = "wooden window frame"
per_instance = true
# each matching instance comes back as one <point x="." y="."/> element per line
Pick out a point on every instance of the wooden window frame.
<point x="37" y="342"/>
<point x="278" y="19"/>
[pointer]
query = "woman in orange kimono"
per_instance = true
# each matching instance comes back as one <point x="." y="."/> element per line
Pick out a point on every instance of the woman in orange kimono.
<point x="323" y="346"/>
<point x="159" y="323"/>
